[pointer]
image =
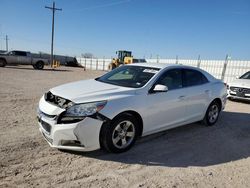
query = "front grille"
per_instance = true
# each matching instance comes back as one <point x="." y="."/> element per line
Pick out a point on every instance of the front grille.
<point x="57" y="101"/>
<point x="240" y="90"/>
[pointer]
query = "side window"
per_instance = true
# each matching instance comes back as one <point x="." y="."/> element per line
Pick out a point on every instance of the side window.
<point x="12" y="53"/>
<point x="20" y="53"/>
<point x="193" y="78"/>
<point x="172" y="79"/>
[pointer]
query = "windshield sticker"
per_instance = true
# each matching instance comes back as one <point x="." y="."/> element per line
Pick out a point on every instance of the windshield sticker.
<point x="153" y="71"/>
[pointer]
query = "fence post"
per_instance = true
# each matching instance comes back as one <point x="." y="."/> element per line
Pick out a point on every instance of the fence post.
<point x="224" y="68"/>
<point x="103" y="65"/>
<point x="85" y="63"/>
<point x="96" y="67"/>
<point x="199" y="62"/>
<point x="177" y="60"/>
<point x="91" y="63"/>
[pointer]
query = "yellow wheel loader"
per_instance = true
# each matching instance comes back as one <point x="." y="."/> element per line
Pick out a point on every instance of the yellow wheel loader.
<point x="124" y="57"/>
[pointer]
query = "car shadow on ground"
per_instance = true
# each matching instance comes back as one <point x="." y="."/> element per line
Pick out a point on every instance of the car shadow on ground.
<point x="190" y="145"/>
<point x="31" y="68"/>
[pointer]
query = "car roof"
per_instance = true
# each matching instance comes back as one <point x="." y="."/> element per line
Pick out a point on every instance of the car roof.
<point x="154" y="65"/>
<point x="164" y="66"/>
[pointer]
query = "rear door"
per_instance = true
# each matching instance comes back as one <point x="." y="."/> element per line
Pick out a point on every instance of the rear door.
<point x="197" y="93"/>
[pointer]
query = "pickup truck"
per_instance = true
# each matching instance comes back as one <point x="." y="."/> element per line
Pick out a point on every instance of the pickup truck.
<point x="22" y="58"/>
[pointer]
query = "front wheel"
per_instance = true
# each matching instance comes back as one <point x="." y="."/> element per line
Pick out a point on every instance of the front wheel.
<point x="2" y="63"/>
<point x="120" y="135"/>
<point x="212" y="114"/>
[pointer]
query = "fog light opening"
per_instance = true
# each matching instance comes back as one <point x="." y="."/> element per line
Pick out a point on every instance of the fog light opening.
<point x="71" y="143"/>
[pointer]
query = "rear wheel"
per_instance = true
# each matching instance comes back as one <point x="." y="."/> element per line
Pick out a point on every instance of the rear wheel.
<point x="39" y="65"/>
<point x="120" y="135"/>
<point x="212" y="114"/>
<point x="2" y="63"/>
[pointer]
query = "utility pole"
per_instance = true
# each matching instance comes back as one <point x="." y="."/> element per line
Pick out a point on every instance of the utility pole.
<point x="52" y="38"/>
<point x="6" y="39"/>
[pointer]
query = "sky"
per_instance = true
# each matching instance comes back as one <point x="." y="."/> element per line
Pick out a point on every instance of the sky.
<point x="149" y="28"/>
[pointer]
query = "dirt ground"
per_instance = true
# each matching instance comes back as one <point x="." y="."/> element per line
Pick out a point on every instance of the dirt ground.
<point x="189" y="156"/>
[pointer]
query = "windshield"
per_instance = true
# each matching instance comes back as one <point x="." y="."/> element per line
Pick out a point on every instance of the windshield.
<point x="129" y="76"/>
<point x="245" y="76"/>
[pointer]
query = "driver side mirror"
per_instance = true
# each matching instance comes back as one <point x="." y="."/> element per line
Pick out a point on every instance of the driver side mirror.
<point x="160" y="88"/>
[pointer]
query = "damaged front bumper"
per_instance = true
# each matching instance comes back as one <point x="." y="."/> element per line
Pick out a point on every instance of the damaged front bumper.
<point x="80" y="136"/>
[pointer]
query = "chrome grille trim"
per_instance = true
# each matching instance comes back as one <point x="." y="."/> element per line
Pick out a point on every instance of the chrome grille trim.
<point x="240" y="89"/>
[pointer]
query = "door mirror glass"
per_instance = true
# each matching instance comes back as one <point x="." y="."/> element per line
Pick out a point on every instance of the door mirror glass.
<point x="160" y="88"/>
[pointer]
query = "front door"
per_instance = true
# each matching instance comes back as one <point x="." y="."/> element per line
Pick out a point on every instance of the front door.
<point x="166" y="109"/>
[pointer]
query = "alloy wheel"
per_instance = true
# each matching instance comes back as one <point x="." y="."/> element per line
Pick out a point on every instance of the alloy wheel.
<point x="123" y="134"/>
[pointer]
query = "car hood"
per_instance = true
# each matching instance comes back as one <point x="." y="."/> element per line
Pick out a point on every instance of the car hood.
<point x="91" y="90"/>
<point x="240" y="83"/>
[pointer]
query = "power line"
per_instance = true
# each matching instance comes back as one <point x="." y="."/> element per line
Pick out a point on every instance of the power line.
<point x="52" y="38"/>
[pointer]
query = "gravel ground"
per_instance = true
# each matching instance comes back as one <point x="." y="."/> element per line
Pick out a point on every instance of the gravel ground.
<point x="189" y="156"/>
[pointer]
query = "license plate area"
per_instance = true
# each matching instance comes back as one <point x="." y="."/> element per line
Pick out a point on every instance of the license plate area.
<point x="240" y="94"/>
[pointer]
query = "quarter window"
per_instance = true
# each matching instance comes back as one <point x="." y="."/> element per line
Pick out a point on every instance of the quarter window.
<point x="193" y="78"/>
<point x="172" y="79"/>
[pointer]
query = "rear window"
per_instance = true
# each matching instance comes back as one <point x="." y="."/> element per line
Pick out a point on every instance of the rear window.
<point x="245" y="76"/>
<point x="193" y="78"/>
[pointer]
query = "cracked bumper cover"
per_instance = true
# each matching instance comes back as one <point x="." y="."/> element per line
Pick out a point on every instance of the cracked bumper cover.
<point x="80" y="136"/>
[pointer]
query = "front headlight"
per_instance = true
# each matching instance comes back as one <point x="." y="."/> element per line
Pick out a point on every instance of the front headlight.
<point x="86" y="109"/>
<point x="78" y="112"/>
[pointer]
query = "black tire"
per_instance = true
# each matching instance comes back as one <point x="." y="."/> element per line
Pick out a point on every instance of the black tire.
<point x="39" y="65"/>
<point x="212" y="114"/>
<point x="2" y="63"/>
<point x="110" y="133"/>
<point x="111" y="66"/>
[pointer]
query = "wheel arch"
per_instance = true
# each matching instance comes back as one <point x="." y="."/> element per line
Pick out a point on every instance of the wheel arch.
<point x="108" y="122"/>
<point x="128" y="112"/>
<point x="38" y="61"/>
<point x="137" y="116"/>
<point x="218" y="100"/>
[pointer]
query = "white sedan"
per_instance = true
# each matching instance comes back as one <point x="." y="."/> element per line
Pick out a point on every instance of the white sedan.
<point x="131" y="101"/>
<point x="240" y="88"/>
